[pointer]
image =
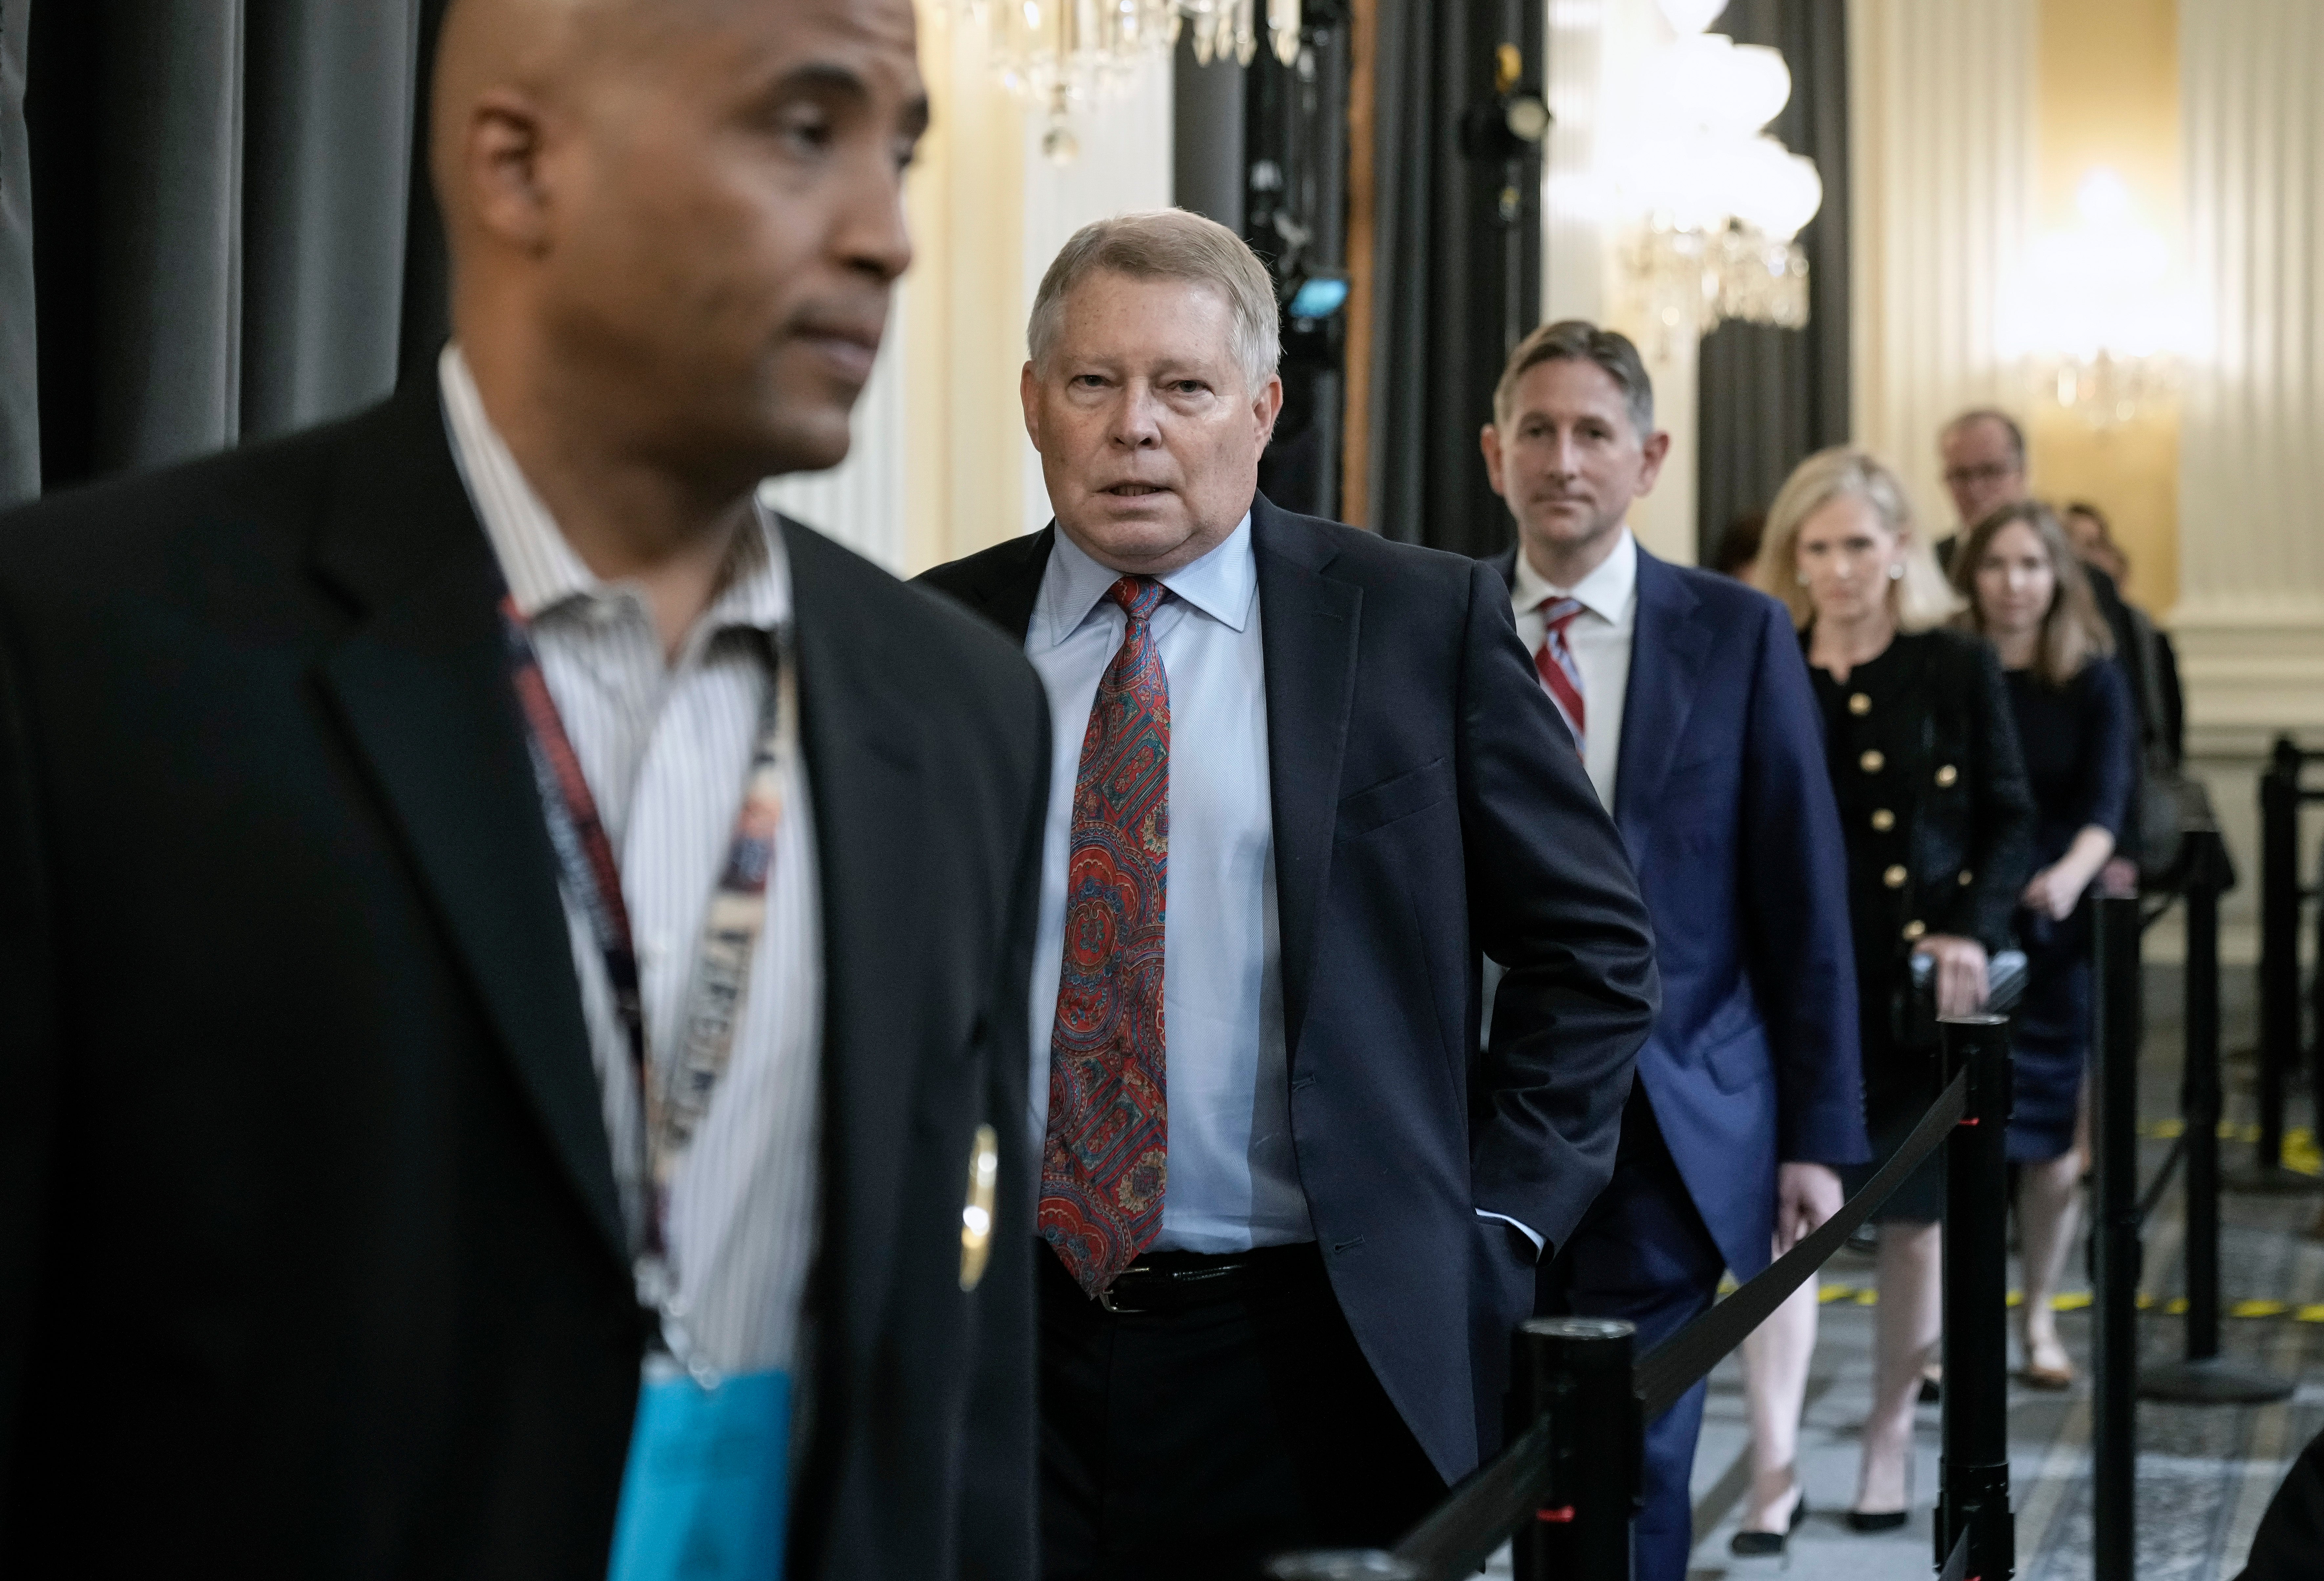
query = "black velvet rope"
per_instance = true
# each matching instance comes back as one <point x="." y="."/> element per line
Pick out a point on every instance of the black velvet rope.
<point x="1957" y="1562"/>
<point x="1672" y="1367"/>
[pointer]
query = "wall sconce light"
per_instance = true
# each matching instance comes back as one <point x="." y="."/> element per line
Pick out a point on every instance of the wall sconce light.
<point x="2108" y="322"/>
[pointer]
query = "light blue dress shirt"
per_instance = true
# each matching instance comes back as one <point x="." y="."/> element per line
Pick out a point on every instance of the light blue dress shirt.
<point x="1233" y="1179"/>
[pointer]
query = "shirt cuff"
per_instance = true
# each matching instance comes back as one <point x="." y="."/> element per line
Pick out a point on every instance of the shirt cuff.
<point x="1524" y="1230"/>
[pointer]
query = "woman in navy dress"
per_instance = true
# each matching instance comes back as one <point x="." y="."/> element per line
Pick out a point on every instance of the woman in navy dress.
<point x="2028" y="595"/>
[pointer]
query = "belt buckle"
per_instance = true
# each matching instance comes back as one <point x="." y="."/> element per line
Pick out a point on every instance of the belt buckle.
<point x="1105" y="1298"/>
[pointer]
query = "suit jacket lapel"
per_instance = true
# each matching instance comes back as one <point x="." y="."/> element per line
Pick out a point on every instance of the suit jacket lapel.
<point x="1308" y="624"/>
<point x="421" y="684"/>
<point x="1667" y="647"/>
<point x="865" y="779"/>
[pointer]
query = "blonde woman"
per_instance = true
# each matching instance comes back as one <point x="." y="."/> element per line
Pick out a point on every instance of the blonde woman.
<point x="1932" y="798"/>
<point x="2029" y="597"/>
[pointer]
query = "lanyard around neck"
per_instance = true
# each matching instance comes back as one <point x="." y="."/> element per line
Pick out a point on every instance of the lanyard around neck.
<point x="673" y="1101"/>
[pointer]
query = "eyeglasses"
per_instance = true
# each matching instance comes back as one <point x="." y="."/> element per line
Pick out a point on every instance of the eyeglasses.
<point x="1983" y="472"/>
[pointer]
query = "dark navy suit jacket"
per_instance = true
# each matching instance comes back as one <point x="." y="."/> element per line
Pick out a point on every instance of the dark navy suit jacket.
<point x="1427" y="806"/>
<point x="1725" y="802"/>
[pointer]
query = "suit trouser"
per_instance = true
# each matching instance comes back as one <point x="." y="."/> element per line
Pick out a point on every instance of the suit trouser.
<point x="1642" y="1253"/>
<point x="1199" y="1440"/>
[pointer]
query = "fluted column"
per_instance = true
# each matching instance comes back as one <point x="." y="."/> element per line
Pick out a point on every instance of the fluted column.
<point x="2250" y="620"/>
<point x="1942" y="127"/>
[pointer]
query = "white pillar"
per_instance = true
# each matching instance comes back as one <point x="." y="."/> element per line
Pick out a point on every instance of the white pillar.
<point x="1941" y="126"/>
<point x="2250" y="620"/>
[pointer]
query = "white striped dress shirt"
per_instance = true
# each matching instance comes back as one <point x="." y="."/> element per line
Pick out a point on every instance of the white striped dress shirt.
<point x="666" y="747"/>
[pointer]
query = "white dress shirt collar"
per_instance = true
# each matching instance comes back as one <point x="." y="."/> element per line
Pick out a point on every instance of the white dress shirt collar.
<point x="1608" y="592"/>
<point x="1223" y="584"/>
<point x="543" y="572"/>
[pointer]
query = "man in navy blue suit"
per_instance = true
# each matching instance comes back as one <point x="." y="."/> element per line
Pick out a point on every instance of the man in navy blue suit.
<point x="1687" y="698"/>
<point x="1302" y="775"/>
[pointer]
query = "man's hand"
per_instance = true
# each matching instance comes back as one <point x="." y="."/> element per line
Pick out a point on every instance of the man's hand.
<point x="1805" y="1195"/>
<point x="1961" y="973"/>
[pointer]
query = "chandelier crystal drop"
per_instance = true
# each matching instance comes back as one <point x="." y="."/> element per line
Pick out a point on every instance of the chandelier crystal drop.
<point x="1064" y="53"/>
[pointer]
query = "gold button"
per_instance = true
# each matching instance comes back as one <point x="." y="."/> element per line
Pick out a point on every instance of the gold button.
<point x="1883" y="819"/>
<point x="1858" y="704"/>
<point x="1895" y="877"/>
<point x="1872" y="763"/>
<point x="1966" y="879"/>
<point x="1914" y="928"/>
<point x="1947" y="775"/>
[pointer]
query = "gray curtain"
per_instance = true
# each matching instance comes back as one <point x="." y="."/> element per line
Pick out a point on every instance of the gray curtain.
<point x="1769" y="397"/>
<point x="222" y="194"/>
<point x="1404" y="116"/>
<point x="20" y="395"/>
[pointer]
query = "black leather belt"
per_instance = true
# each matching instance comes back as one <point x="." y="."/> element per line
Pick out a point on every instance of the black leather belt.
<point x="1173" y="1281"/>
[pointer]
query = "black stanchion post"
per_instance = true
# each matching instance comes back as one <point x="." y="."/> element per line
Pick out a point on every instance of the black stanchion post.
<point x="2203" y="1378"/>
<point x="1974" y="1468"/>
<point x="1578" y="1371"/>
<point x="2114" y="1117"/>
<point x="2279" y="963"/>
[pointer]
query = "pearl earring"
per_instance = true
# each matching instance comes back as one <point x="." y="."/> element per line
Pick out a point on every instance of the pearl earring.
<point x="1801" y="578"/>
<point x="1895" y="570"/>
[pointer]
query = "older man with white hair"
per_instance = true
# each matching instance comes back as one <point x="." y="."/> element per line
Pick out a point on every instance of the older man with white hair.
<point x="1301" y="777"/>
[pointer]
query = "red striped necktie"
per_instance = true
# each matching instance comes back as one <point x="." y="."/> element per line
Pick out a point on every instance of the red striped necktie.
<point x="1106" y="1159"/>
<point x="1561" y="677"/>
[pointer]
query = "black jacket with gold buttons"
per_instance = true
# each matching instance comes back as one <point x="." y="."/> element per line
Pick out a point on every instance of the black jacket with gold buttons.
<point x="1933" y="793"/>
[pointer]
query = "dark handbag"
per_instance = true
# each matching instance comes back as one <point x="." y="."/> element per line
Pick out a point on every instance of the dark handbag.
<point x="2004" y="985"/>
<point x="2171" y="806"/>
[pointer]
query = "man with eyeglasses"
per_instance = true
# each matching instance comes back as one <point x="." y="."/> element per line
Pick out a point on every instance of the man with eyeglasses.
<point x="1984" y="454"/>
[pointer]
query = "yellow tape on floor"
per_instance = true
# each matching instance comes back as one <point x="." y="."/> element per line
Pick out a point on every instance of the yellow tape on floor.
<point x="2301" y="1154"/>
<point x="2079" y="1300"/>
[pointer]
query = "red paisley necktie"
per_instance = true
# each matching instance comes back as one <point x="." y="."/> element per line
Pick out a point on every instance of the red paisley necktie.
<point x="1106" y="1157"/>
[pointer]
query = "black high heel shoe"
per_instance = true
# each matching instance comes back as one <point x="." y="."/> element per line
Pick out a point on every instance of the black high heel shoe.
<point x="1877" y="1519"/>
<point x="1759" y="1545"/>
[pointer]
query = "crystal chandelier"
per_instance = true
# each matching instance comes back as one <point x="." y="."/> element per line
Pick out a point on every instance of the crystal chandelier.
<point x="1060" y="54"/>
<point x="1713" y="202"/>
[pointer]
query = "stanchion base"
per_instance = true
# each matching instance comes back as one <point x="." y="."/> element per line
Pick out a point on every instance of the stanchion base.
<point x="2269" y="1180"/>
<point x="2213" y="1381"/>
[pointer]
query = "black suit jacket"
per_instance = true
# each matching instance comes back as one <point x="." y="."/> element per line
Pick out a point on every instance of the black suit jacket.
<point x="1427" y="805"/>
<point x="315" y="1261"/>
